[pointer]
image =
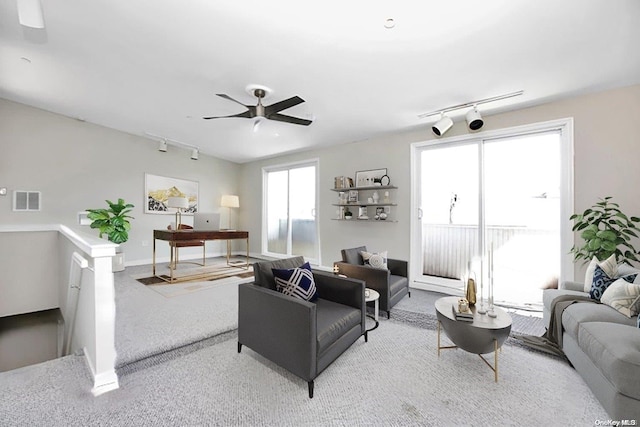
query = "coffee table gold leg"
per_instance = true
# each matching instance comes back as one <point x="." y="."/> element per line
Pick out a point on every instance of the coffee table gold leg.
<point x="438" y="338"/>
<point x="495" y="353"/>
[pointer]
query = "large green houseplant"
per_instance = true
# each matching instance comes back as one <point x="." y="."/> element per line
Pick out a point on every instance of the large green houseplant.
<point x="114" y="222"/>
<point x="606" y="231"/>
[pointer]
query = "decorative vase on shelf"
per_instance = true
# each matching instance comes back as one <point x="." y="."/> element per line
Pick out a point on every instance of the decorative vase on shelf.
<point x="376" y="197"/>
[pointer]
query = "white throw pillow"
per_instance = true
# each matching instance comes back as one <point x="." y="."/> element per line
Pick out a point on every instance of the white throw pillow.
<point x="623" y="296"/>
<point x="377" y="260"/>
<point x="609" y="266"/>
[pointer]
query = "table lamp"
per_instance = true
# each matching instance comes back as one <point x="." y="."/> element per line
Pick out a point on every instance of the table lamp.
<point x="229" y="201"/>
<point x="179" y="203"/>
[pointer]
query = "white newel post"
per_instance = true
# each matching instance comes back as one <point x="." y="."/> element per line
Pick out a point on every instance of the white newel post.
<point x="103" y="360"/>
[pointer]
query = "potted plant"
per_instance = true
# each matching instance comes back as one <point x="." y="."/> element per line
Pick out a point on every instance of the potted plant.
<point x="606" y="231"/>
<point x="114" y="222"/>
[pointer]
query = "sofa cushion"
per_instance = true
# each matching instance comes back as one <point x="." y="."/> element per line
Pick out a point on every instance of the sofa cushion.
<point x="608" y="265"/>
<point x="601" y="281"/>
<point x="333" y="320"/>
<point x="263" y="274"/>
<point x="583" y="312"/>
<point x="375" y="260"/>
<point x="623" y="296"/>
<point x="615" y="350"/>
<point x="296" y="282"/>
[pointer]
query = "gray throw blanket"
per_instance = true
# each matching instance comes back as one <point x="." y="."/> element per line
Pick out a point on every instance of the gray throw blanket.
<point x="551" y="341"/>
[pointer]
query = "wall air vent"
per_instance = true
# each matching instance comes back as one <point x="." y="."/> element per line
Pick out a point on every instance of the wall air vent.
<point x="26" y="201"/>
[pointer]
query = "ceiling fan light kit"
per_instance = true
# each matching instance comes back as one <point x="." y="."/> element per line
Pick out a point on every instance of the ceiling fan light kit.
<point x="473" y="117"/>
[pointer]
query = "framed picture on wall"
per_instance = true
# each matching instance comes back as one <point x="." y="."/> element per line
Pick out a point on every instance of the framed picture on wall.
<point x="158" y="189"/>
<point x="370" y="178"/>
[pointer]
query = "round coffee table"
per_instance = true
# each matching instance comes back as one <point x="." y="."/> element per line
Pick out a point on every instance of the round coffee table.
<point x="484" y="335"/>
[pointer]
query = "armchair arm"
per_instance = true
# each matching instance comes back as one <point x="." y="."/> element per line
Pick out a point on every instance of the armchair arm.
<point x="374" y="278"/>
<point x="347" y="291"/>
<point x="398" y="267"/>
<point x="279" y="327"/>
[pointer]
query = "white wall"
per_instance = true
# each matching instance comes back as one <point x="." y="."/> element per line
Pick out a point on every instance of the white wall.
<point x="77" y="165"/>
<point x="606" y="146"/>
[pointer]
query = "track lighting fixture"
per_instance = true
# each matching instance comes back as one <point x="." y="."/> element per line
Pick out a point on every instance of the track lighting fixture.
<point x="164" y="142"/>
<point x="474" y="119"/>
<point x="442" y="125"/>
<point x="194" y="154"/>
<point x="162" y="145"/>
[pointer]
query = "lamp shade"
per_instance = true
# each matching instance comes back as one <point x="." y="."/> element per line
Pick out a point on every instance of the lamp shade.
<point x="178" y="202"/>
<point x="230" y="201"/>
<point x="30" y="13"/>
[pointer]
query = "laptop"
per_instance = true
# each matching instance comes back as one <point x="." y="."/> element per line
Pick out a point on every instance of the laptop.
<point x="206" y="221"/>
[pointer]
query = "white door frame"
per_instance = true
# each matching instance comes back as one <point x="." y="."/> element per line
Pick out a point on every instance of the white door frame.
<point x="565" y="127"/>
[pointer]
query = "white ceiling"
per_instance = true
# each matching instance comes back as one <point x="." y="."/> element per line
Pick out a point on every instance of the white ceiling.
<point x="154" y="66"/>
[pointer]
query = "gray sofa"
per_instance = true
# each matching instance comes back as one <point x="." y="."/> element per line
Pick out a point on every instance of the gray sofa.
<point x="603" y="346"/>
<point x="300" y="336"/>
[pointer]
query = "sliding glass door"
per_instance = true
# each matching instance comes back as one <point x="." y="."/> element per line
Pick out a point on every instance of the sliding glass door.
<point x="505" y="193"/>
<point x="290" y="203"/>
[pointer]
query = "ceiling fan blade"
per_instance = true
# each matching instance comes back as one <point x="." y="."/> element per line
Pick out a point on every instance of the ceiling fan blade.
<point x="222" y="95"/>
<point x="282" y="105"/>
<point x="289" y="119"/>
<point x="247" y="114"/>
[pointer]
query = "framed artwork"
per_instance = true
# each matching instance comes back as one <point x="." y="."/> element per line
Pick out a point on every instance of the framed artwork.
<point x="370" y="178"/>
<point x="158" y="189"/>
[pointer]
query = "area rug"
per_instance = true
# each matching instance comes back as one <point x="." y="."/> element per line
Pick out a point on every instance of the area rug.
<point x="205" y="278"/>
<point x="395" y="379"/>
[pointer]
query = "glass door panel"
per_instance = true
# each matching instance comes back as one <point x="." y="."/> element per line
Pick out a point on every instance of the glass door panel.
<point x="302" y="201"/>
<point x="522" y="215"/>
<point x="290" y="206"/>
<point x="449" y="204"/>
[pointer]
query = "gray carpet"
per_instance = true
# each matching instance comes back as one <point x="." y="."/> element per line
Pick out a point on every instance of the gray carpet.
<point x="394" y="379"/>
<point x="178" y="365"/>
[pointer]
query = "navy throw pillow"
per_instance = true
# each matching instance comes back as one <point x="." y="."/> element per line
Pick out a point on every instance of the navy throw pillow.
<point x="601" y="282"/>
<point x="296" y="282"/>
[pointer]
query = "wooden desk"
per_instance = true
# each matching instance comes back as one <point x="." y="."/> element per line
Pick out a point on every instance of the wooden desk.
<point x="178" y="235"/>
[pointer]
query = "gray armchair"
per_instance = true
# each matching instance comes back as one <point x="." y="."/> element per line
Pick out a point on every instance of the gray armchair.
<point x="300" y="336"/>
<point x="391" y="284"/>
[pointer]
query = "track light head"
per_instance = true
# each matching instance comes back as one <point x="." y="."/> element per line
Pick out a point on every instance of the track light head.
<point x="442" y="125"/>
<point x="474" y="119"/>
<point x="194" y="154"/>
<point x="162" y="145"/>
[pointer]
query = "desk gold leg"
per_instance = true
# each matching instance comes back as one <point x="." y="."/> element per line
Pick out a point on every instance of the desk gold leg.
<point x="171" y="264"/>
<point x="228" y="251"/>
<point x="154" y="256"/>
<point x="247" y="253"/>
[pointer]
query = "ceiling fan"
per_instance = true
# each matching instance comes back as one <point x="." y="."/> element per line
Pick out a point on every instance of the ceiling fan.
<point x="271" y="112"/>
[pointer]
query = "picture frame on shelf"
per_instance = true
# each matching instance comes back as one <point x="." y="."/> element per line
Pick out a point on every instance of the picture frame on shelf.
<point x="369" y="178"/>
<point x="353" y="196"/>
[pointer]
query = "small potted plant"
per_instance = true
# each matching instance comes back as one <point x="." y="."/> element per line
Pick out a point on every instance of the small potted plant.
<point x="114" y="222"/>
<point x="606" y="231"/>
<point x="347" y="213"/>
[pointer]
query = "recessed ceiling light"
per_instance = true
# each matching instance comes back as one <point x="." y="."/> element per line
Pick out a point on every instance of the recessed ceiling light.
<point x="389" y="23"/>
